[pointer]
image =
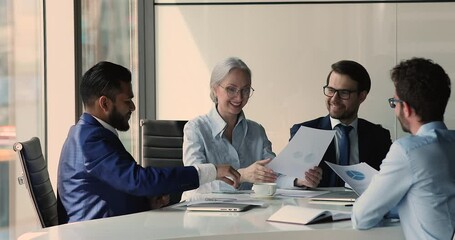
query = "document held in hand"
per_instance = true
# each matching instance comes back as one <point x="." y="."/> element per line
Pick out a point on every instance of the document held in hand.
<point x="303" y="152"/>
<point x="303" y="215"/>
<point x="358" y="176"/>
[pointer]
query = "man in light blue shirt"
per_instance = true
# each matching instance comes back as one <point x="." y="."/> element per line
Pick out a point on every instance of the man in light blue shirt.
<point x="417" y="176"/>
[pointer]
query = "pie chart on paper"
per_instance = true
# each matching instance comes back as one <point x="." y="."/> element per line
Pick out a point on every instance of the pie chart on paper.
<point x="356" y="175"/>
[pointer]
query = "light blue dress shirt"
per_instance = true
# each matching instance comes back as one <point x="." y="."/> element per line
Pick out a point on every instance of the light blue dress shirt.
<point x="417" y="177"/>
<point x="204" y="143"/>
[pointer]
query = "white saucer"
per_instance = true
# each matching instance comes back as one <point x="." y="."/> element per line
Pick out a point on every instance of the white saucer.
<point x="254" y="195"/>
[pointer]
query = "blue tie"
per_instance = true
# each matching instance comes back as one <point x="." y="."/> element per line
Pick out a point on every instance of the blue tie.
<point x="343" y="145"/>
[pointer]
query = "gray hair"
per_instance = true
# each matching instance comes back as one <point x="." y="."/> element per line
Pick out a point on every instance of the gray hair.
<point x="222" y="69"/>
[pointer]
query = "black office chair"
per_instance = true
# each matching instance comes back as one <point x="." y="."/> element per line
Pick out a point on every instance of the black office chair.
<point x="36" y="178"/>
<point x="162" y="145"/>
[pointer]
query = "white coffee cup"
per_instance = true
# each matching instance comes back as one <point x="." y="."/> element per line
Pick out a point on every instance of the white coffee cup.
<point x="264" y="189"/>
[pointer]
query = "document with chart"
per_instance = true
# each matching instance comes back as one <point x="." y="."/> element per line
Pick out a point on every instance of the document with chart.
<point x="303" y="152"/>
<point x="358" y="176"/>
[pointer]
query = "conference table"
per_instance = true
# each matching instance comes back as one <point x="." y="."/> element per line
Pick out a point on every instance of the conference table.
<point x="175" y="222"/>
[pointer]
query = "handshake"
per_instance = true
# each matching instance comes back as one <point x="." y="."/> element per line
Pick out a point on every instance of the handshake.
<point x="228" y="174"/>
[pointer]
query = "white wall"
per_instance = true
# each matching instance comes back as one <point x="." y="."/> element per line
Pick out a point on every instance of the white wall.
<point x="60" y="79"/>
<point x="428" y="30"/>
<point x="290" y="49"/>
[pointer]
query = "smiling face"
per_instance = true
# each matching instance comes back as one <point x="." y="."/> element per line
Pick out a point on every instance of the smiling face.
<point x="230" y="106"/>
<point x="344" y="110"/>
<point x="121" y="109"/>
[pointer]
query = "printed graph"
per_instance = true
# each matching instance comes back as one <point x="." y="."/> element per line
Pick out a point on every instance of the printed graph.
<point x="356" y="175"/>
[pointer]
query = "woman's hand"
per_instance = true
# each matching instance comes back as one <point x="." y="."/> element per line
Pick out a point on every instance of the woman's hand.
<point x="228" y="174"/>
<point x="312" y="178"/>
<point x="258" y="172"/>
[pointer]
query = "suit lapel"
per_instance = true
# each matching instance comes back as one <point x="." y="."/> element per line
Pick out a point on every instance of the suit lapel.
<point x="325" y="123"/>
<point x="329" y="178"/>
<point x="362" y="140"/>
<point x="330" y="154"/>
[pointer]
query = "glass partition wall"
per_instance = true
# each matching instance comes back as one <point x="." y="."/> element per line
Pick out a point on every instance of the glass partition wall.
<point x="108" y="31"/>
<point x="22" y="105"/>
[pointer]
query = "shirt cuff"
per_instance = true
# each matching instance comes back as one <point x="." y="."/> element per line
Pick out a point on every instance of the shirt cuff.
<point x="206" y="172"/>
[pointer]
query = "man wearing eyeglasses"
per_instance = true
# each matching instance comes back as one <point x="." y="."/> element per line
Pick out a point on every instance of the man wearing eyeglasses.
<point x="347" y="86"/>
<point x="417" y="178"/>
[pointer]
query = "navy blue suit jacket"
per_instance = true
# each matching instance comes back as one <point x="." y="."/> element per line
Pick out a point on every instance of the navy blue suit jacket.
<point x="98" y="178"/>
<point x="374" y="144"/>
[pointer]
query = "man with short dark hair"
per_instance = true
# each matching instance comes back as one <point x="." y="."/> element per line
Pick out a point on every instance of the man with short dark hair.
<point x="417" y="177"/>
<point x="347" y="86"/>
<point x="97" y="177"/>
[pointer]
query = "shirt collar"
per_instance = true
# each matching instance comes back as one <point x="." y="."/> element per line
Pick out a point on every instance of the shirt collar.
<point x="430" y="126"/>
<point x="218" y="123"/>
<point x="335" y="122"/>
<point x="107" y="125"/>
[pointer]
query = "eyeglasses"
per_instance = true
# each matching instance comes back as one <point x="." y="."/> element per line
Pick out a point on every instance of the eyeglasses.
<point x="232" y="91"/>
<point x="393" y="102"/>
<point x="342" y="93"/>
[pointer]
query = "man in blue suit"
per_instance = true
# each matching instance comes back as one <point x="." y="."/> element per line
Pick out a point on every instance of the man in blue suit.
<point x="97" y="177"/>
<point x="347" y="86"/>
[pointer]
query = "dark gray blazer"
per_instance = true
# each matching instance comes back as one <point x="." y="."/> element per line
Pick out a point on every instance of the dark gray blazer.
<point x="374" y="143"/>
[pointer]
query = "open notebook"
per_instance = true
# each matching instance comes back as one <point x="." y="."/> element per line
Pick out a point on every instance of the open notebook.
<point x="304" y="215"/>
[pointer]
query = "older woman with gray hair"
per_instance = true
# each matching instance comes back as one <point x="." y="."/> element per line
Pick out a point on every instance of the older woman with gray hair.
<point x="225" y="136"/>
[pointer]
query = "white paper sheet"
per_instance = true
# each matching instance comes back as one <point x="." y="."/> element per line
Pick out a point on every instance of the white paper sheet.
<point x="223" y="200"/>
<point x="358" y="176"/>
<point x="303" y="152"/>
<point x="298" y="193"/>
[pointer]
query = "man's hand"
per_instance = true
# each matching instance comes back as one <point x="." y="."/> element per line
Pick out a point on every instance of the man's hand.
<point x="312" y="178"/>
<point x="158" y="202"/>
<point x="258" y="172"/>
<point x="228" y="174"/>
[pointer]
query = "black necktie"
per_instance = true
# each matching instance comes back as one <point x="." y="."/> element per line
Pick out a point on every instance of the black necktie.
<point x="344" y="145"/>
